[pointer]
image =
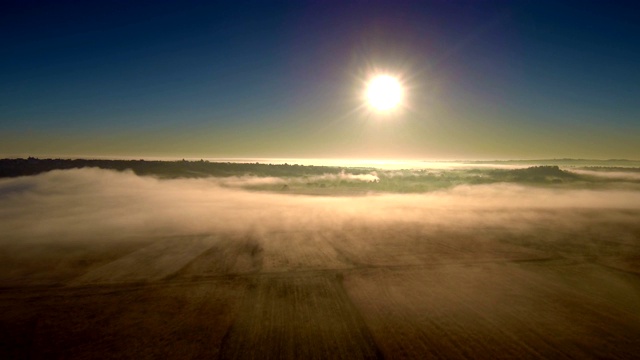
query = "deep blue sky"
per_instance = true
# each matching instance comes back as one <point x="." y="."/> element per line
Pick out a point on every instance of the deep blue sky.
<point x="483" y="79"/>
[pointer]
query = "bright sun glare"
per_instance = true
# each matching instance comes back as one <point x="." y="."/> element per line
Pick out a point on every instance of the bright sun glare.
<point x="384" y="92"/>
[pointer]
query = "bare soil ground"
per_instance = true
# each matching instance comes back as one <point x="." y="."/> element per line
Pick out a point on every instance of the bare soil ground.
<point x="387" y="291"/>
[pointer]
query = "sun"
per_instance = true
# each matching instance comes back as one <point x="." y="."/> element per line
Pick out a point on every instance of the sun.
<point x="384" y="93"/>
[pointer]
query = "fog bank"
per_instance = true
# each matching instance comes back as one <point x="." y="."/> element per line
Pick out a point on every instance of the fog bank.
<point x="90" y="203"/>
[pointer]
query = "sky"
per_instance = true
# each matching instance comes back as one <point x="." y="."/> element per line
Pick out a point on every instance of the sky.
<point x="481" y="79"/>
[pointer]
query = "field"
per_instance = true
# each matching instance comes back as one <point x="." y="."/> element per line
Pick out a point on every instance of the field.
<point x="473" y="274"/>
<point x="478" y="293"/>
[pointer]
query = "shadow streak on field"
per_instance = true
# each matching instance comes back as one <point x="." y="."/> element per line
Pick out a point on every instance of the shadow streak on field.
<point x="228" y="255"/>
<point x="150" y="263"/>
<point x="298" y="318"/>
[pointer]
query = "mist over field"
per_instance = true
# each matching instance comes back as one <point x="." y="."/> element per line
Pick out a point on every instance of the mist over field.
<point x="290" y="262"/>
<point x="91" y="203"/>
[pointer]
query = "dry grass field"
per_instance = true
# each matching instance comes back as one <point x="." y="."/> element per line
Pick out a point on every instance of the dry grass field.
<point x="392" y="291"/>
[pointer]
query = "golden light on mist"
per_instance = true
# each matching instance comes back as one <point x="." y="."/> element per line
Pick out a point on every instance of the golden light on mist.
<point x="384" y="93"/>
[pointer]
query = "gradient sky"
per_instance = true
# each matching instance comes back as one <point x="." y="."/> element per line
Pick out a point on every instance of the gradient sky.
<point x="484" y="80"/>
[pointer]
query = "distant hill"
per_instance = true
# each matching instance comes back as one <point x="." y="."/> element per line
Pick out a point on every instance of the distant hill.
<point x="332" y="180"/>
<point x="537" y="174"/>
<point x="168" y="169"/>
<point x="563" y="162"/>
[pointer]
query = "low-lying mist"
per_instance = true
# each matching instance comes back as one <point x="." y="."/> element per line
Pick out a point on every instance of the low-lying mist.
<point x="90" y="204"/>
